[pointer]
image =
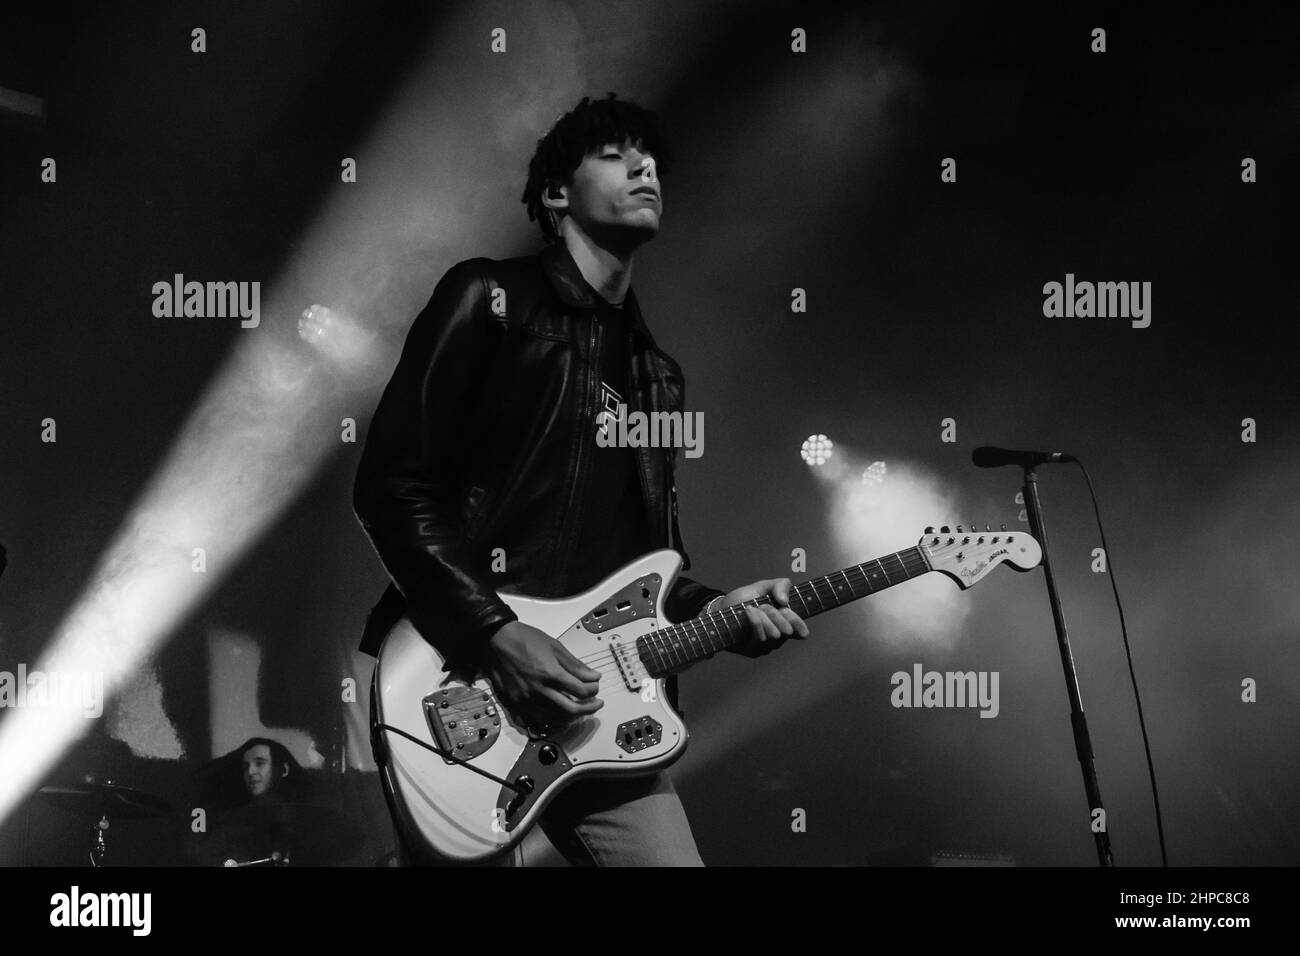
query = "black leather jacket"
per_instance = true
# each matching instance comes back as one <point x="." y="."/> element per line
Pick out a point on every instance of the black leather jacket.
<point x="483" y="439"/>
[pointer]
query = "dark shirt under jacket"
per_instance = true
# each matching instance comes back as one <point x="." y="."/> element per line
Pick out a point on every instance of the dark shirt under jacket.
<point x="613" y="525"/>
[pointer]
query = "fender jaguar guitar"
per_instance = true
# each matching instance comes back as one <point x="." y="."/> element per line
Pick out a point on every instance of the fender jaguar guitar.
<point x="466" y="780"/>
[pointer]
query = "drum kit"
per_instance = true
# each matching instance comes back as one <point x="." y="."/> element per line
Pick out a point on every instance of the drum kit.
<point x="256" y="834"/>
<point x="99" y="802"/>
<point x="275" y="833"/>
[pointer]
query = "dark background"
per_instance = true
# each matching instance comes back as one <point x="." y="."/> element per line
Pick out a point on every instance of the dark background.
<point x="818" y="171"/>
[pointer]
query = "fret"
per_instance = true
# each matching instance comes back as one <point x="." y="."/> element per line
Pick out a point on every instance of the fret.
<point x="825" y="582"/>
<point x="849" y="584"/>
<point x="913" y="562"/>
<point x="686" y="632"/>
<point x="696" y="641"/>
<point x="711" y="629"/>
<point x="854" y="569"/>
<point x="901" y="570"/>
<point x="828" y="600"/>
<point x="652" y="640"/>
<point x="670" y="648"/>
<point x="707" y="636"/>
<point x="664" y="639"/>
<point x="699" y="638"/>
<point x="884" y="571"/>
<point x="738" y="621"/>
<point x="689" y="651"/>
<point x="675" y="646"/>
<point x="645" y="651"/>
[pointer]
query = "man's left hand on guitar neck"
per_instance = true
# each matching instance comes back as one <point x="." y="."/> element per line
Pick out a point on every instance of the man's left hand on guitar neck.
<point x="769" y="624"/>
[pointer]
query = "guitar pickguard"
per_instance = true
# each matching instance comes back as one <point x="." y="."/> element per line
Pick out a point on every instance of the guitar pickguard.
<point x="466" y="720"/>
<point x="542" y="762"/>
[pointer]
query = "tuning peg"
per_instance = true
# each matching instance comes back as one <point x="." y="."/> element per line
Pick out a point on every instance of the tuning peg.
<point x="959" y="529"/>
<point x="944" y="530"/>
<point x="929" y="530"/>
<point x="1004" y="527"/>
<point x="988" y="528"/>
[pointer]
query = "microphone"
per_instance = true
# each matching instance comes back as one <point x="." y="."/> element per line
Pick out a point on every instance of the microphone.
<point x="990" y="456"/>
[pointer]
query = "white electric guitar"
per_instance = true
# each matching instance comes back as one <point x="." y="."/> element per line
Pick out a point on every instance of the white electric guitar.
<point x="466" y="780"/>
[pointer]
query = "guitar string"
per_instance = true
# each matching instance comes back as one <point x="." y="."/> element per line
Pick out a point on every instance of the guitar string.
<point x="604" y="661"/>
<point x="909" y="560"/>
<point x="611" y="676"/>
<point x="697" y="624"/>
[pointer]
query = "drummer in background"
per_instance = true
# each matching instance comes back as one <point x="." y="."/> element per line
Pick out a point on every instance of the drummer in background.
<point x="259" y="772"/>
<point x="268" y="768"/>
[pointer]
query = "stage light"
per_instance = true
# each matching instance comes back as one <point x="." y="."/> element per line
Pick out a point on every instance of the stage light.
<point x="257" y="436"/>
<point x="816" y="450"/>
<point x="866" y="517"/>
<point x="275" y="411"/>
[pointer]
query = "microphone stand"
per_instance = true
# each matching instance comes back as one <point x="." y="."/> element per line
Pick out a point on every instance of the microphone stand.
<point x="1082" y="741"/>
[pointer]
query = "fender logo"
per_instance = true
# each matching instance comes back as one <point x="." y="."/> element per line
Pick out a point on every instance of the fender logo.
<point x="977" y="569"/>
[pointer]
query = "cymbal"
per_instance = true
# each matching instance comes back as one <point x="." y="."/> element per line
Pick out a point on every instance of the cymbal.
<point x="105" y="799"/>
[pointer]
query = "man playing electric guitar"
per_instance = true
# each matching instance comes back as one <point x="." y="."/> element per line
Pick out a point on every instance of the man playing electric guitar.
<point x="482" y="471"/>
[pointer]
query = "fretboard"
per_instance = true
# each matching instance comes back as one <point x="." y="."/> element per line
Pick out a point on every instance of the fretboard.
<point x="678" y="646"/>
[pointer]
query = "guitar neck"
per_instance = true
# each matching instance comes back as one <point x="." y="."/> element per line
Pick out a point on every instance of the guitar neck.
<point x="676" y="647"/>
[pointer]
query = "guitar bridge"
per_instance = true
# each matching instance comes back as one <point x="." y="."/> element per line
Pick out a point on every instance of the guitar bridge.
<point x="464" y="720"/>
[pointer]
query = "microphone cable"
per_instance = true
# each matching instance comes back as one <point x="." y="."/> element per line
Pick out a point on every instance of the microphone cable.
<point x="1128" y="654"/>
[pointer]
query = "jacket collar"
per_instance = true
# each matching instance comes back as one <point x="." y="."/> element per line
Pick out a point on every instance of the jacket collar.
<point x="573" y="289"/>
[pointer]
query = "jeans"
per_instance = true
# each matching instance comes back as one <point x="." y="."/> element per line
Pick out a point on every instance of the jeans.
<point x="632" y="821"/>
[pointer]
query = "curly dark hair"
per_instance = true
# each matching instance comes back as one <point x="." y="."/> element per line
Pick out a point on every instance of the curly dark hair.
<point x="581" y="131"/>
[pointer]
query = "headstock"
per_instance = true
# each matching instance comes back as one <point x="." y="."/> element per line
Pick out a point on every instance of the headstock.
<point x="966" y="556"/>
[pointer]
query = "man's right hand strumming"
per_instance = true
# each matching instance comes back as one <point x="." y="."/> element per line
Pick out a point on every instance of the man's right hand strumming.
<point x="538" y="679"/>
